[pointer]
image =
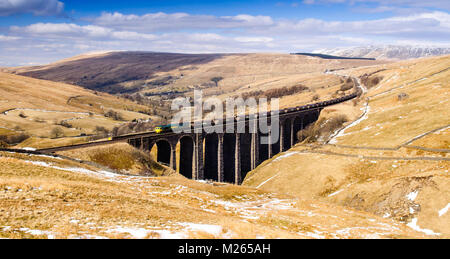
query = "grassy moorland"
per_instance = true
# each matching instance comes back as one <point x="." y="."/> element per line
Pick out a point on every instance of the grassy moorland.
<point x="129" y="72"/>
<point x="46" y="197"/>
<point x="53" y="114"/>
<point x="371" y="188"/>
<point x="392" y="158"/>
<point x="120" y="157"/>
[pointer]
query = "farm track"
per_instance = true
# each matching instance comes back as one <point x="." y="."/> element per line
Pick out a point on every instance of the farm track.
<point x="404" y="145"/>
<point x="424" y="158"/>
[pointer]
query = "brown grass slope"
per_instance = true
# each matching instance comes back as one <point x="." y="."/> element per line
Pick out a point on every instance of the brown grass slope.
<point x="44" y="197"/>
<point x="393" y="162"/>
<point x="121" y="157"/>
<point x="105" y="71"/>
<point x="36" y="107"/>
<point x="146" y="72"/>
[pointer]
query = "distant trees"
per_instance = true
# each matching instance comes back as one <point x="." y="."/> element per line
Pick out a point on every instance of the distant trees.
<point x="402" y="96"/>
<point x="115" y="131"/>
<point x="285" y="91"/>
<point x="3" y="144"/>
<point x="64" y="124"/>
<point x="348" y="85"/>
<point x="316" y="98"/>
<point x="216" y="80"/>
<point x="56" y="133"/>
<point x="137" y="126"/>
<point x="371" y="80"/>
<point x="322" y="129"/>
<point x="19" y="138"/>
<point x="139" y="99"/>
<point x="275" y="93"/>
<point x="114" y="115"/>
<point x="14" y="139"/>
<point x="100" y="130"/>
<point x="39" y="120"/>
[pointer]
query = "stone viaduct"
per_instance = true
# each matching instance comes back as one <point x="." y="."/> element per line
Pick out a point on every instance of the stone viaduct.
<point x="229" y="157"/>
<point x="222" y="157"/>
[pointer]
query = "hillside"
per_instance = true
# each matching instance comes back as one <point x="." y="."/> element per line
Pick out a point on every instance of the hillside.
<point x="36" y="107"/>
<point x="389" y="52"/>
<point x="153" y="74"/>
<point x="107" y="71"/>
<point x="77" y="112"/>
<point x="51" y="197"/>
<point x="122" y="158"/>
<point x="391" y="160"/>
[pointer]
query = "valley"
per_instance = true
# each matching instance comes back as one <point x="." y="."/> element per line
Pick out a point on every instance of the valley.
<point x="374" y="167"/>
<point x="43" y="114"/>
<point x="392" y="160"/>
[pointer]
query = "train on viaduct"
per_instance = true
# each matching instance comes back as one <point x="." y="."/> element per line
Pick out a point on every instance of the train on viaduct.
<point x="223" y="157"/>
<point x="229" y="157"/>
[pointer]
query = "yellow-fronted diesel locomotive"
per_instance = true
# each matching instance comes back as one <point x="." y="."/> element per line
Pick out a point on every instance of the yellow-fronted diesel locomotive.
<point x="166" y="128"/>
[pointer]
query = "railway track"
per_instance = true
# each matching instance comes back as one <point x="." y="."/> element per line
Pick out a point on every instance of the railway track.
<point x="248" y="118"/>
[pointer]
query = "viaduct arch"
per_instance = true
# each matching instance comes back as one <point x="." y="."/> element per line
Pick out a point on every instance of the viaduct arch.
<point x="186" y="157"/>
<point x="223" y="157"/>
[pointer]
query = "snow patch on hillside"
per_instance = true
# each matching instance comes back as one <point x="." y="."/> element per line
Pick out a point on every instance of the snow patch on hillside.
<point x="210" y="229"/>
<point x="103" y="174"/>
<point x="444" y="210"/>
<point x="413" y="225"/>
<point x="412" y="196"/>
<point x="395" y="52"/>
<point x="186" y="228"/>
<point x="342" y="133"/>
<point x="268" y="180"/>
<point x="286" y="155"/>
<point x="138" y="233"/>
<point x="335" y="193"/>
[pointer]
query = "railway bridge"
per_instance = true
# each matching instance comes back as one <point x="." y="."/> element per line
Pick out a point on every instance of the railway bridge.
<point x="228" y="157"/>
<point x="224" y="157"/>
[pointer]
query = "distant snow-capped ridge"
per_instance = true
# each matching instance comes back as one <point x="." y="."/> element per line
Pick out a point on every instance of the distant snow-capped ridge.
<point x="386" y="52"/>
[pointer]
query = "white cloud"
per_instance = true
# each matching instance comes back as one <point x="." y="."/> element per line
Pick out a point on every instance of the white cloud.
<point x="131" y="35"/>
<point x="47" y="28"/>
<point x="253" y="39"/>
<point x="249" y="20"/>
<point x="36" y="7"/>
<point x="162" y="22"/>
<point x="8" y="38"/>
<point x="66" y="30"/>
<point x="180" y="32"/>
<point x="434" y="25"/>
<point x="389" y="5"/>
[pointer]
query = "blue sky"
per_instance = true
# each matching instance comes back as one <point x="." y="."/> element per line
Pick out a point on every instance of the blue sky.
<point x="42" y="31"/>
<point x="77" y="10"/>
<point x="276" y="9"/>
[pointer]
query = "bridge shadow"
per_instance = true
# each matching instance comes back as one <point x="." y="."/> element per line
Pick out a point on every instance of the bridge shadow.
<point x="287" y="130"/>
<point x="186" y="157"/>
<point x="211" y="157"/>
<point x="245" y="154"/>
<point x="229" y="150"/>
<point x="228" y="157"/>
<point x="161" y="151"/>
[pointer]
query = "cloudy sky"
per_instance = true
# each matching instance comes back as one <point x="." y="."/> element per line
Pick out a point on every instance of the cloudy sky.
<point x="42" y="31"/>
